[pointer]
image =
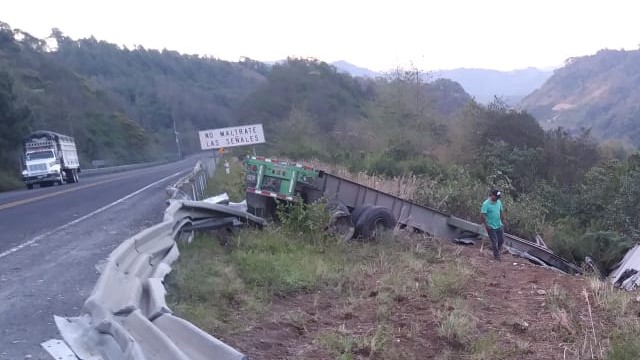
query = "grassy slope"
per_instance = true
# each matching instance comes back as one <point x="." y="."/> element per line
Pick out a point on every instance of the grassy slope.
<point x="290" y="292"/>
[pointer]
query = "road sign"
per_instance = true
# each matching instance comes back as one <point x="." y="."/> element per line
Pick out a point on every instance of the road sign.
<point x="231" y="136"/>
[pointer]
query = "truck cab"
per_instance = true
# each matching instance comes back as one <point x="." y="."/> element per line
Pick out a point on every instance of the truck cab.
<point x="269" y="180"/>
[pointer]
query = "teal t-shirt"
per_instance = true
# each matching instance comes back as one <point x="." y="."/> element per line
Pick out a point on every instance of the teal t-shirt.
<point x="492" y="211"/>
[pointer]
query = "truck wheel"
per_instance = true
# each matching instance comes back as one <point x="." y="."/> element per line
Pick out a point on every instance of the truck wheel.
<point x="340" y="222"/>
<point x="60" y="180"/>
<point x="373" y="221"/>
<point x="357" y="211"/>
<point x="355" y="216"/>
<point x="30" y="186"/>
<point x="72" y="175"/>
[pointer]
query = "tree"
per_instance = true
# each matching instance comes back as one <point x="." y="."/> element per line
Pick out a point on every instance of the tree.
<point x="13" y="125"/>
<point x="517" y="128"/>
<point x="567" y="158"/>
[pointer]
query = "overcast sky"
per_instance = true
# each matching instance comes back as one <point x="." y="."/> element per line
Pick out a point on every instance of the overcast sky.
<point x="379" y="35"/>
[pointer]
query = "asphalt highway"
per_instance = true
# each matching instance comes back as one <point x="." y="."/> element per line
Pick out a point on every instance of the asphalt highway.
<point x="51" y="239"/>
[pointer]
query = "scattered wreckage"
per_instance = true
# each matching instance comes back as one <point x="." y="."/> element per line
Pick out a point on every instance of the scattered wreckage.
<point x="355" y="210"/>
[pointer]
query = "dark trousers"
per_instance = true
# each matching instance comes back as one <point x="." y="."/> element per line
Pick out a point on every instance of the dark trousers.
<point x="497" y="239"/>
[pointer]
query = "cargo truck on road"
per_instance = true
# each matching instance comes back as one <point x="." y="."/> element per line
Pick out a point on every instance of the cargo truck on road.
<point x="49" y="159"/>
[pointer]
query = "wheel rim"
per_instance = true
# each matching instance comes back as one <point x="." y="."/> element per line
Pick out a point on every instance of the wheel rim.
<point x="342" y="226"/>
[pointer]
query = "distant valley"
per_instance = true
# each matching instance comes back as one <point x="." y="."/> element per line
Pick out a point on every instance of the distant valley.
<point x="482" y="84"/>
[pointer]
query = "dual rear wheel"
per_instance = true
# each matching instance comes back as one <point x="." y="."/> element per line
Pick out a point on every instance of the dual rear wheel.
<point x="72" y="176"/>
<point x="365" y="221"/>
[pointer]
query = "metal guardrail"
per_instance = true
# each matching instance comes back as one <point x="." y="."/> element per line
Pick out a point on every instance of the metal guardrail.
<point x="126" y="316"/>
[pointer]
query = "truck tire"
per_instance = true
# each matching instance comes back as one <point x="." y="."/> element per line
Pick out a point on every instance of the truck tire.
<point x="73" y="176"/>
<point x="340" y="221"/>
<point x="374" y="220"/>
<point x="30" y="186"/>
<point x="60" y="180"/>
<point x="357" y="211"/>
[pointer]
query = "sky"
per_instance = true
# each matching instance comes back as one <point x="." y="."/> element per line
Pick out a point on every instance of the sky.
<point x="379" y="35"/>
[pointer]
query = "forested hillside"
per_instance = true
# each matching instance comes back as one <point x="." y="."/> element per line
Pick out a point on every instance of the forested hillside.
<point x="119" y="104"/>
<point x="157" y="88"/>
<point x="600" y="92"/>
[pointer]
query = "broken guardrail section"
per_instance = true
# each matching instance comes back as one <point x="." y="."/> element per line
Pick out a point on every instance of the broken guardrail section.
<point x="126" y="316"/>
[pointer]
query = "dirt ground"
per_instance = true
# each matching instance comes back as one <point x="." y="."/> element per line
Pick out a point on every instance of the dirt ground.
<point x="507" y="301"/>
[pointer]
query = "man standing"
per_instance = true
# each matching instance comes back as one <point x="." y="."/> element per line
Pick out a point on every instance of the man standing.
<point x="493" y="219"/>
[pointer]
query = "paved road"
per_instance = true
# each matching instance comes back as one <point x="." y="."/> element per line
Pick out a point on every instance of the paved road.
<point x="52" y="238"/>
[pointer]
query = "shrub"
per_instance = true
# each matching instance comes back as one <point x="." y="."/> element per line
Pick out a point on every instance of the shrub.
<point x="454" y="191"/>
<point x="606" y="247"/>
<point x="9" y="181"/>
<point x="299" y="218"/>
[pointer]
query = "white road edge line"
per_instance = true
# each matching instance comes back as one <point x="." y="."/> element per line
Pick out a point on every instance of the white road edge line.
<point x="40" y="237"/>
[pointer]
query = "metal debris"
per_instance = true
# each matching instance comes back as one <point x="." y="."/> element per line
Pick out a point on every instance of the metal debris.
<point x="626" y="275"/>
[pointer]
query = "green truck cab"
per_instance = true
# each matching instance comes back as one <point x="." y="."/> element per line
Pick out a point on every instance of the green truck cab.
<point x="268" y="180"/>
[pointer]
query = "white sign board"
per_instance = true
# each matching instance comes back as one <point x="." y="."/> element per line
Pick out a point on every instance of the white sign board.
<point x="231" y="136"/>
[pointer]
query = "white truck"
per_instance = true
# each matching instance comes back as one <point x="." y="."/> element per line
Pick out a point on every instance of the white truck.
<point x="49" y="158"/>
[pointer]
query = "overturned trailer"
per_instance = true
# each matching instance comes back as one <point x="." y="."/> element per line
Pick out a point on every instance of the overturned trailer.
<point x="365" y="209"/>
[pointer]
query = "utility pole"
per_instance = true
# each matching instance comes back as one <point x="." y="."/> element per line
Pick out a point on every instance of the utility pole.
<point x="175" y="131"/>
<point x="417" y="91"/>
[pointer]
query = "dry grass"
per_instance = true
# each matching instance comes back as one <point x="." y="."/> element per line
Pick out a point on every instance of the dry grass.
<point x="370" y="285"/>
<point x="402" y="186"/>
<point x="457" y="325"/>
<point x="616" y="303"/>
<point x="451" y="281"/>
<point x="603" y="324"/>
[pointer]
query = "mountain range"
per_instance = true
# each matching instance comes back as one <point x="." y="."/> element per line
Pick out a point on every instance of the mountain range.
<point x="482" y="84"/>
<point x="598" y="93"/>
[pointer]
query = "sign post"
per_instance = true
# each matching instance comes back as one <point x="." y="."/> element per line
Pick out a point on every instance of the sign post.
<point x="231" y="137"/>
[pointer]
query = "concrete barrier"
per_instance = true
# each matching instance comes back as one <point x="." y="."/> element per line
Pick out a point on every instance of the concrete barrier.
<point x="126" y="315"/>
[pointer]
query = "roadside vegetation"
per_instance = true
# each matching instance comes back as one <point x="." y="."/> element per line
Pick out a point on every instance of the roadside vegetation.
<point x="293" y="291"/>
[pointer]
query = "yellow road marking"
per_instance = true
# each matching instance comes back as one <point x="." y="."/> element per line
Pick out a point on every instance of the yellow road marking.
<point x="41" y="197"/>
